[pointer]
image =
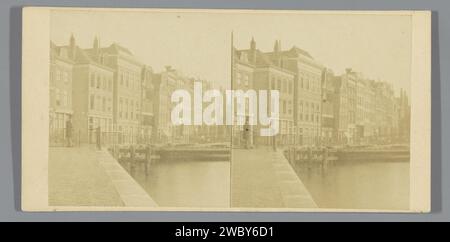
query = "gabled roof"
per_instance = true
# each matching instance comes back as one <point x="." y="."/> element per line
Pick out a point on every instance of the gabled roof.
<point x="295" y="52"/>
<point x="261" y="58"/>
<point x="80" y="56"/>
<point x="112" y="50"/>
<point x="61" y="52"/>
<point x="116" y="49"/>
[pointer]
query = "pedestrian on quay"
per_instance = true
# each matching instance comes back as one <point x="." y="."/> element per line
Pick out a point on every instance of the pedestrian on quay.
<point x="69" y="131"/>
<point x="132" y="153"/>
<point x="247" y="133"/>
<point x="98" y="133"/>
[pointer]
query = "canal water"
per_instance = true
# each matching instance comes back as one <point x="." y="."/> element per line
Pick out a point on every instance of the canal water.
<point x="358" y="184"/>
<point x="344" y="184"/>
<point x="196" y="184"/>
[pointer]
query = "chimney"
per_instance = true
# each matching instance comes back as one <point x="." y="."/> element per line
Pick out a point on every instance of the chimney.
<point x="252" y="51"/>
<point x="96" y="43"/>
<point x="277" y="50"/>
<point x="252" y="44"/>
<point x="72" y="46"/>
<point x="277" y="46"/>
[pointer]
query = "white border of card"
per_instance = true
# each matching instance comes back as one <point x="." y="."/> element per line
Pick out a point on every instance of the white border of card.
<point x="35" y="92"/>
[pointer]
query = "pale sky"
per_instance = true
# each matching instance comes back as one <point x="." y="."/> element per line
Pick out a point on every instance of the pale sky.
<point x="198" y="44"/>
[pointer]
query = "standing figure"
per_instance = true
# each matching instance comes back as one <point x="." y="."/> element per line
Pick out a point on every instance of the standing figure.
<point x="69" y="132"/>
<point x="98" y="133"/>
<point x="247" y="134"/>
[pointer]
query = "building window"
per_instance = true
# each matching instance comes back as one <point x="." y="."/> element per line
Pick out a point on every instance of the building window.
<point x="99" y="102"/>
<point x="104" y="104"/>
<point x="92" y="101"/>
<point x="92" y="80"/>
<point x="109" y="84"/>
<point x="120" y="107"/>
<point x="126" y="108"/>
<point x="65" y="99"/>
<point x="131" y="79"/>
<point x="62" y="98"/>
<point x="284" y="106"/>
<point x="137" y="110"/>
<point x="246" y="80"/>
<point x="103" y="82"/>
<point x="58" y="75"/>
<point x="131" y="109"/>
<point x="57" y="98"/>
<point x="290" y="107"/>
<point x="301" y="111"/>
<point x="109" y="104"/>
<point x="52" y="78"/>
<point x="98" y="81"/>
<point x="279" y="85"/>
<point x="66" y="77"/>
<point x="52" y="96"/>
<point x="306" y="111"/>
<point x="136" y="82"/>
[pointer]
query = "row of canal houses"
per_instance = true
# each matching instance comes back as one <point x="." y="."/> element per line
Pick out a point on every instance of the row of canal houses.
<point x="108" y="88"/>
<point x="316" y="105"/>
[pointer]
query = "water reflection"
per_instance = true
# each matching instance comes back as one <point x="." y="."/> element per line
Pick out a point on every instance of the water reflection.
<point x="342" y="184"/>
<point x="197" y="184"/>
<point x="357" y="184"/>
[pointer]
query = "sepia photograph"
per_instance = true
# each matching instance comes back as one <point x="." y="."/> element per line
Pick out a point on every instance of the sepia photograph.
<point x="225" y="110"/>
<point x="344" y="112"/>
